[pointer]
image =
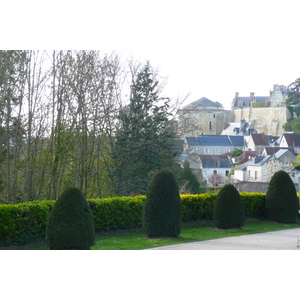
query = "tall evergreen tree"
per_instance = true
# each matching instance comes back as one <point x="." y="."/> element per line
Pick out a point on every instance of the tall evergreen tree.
<point x="144" y="140"/>
<point x="189" y="180"/>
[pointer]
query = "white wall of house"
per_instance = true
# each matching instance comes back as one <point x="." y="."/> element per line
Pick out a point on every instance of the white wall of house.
<point x="264" y="173"/>
<point x="283" y="142"/>
<point x="253" y="173"/>
<point x="210" y="150"/>
<point x="207" y="172"/>
<point x="239" y="175"/>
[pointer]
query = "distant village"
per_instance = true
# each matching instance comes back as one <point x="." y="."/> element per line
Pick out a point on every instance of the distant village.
<point x="244" y="146"/>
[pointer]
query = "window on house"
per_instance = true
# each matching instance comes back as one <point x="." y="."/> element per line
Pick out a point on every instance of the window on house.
<point x="210" y="125"/>
<point x="206" y="150"/>
<point x="214" y="115"/>
<point x="226" y="172"/>
<point x="249" y="173"/>
<point x="215" y="172"/>
<point x="217" y="150"/>
<point x="256" y="174"/>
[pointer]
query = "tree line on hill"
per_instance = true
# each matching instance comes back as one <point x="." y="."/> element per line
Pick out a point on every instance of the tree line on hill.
<point x="64" y="121"/>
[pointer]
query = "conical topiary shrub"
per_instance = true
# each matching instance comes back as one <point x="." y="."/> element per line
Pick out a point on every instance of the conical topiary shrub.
<point x="161" y="214"/>
<point x="282" y="203"/>
<point x="228" y="208"/>
<point x="70" y="224"/>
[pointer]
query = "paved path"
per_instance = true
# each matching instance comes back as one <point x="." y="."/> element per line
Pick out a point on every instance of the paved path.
<point x="275" y="240"/>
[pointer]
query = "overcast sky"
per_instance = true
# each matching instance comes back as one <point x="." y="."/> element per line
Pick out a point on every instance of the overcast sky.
<point x="207" y="49"/>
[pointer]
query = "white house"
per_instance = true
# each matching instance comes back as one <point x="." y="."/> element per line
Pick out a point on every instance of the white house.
<point x="212" y="165"/>
<point x="262" y="168"/>
<point x="213" y="144"/>
<point x="290" y="140"/>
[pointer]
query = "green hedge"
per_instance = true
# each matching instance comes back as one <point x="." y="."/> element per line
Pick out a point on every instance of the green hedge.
<point x="254" y="204"/>
<point x="117" y="213"/>
<point x="197" y="207"/>
<point x="23" y="223"/>
<point x="26" y="222"/>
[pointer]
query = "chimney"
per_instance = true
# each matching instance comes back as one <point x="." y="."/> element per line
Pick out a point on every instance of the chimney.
<point x="251" y="95"/>
<point x="236" y="95"/>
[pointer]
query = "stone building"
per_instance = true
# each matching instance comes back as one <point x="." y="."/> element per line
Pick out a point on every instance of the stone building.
<point x="248" y="114"/>
<point x="202" y="116"/>
<point x="267" y="114"/>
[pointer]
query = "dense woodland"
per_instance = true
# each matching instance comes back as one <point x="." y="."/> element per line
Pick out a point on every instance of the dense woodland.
<point x="80" y="118"/>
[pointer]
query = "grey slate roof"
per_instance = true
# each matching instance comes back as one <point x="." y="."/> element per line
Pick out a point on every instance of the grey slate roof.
<point x="210" y="140"/>
<point x="257" y="159"/>
<point x="216" y="163"/>
<point x="242" y="166"/>
<point x="216" y="140"/>
<point x="264" y="160"/>
<point x="193" y="141"/>
<point x="202" y="103"/>
<point x="280" y="152"/>
<point x="246" y="100"/>
<point x="237" y="141"/>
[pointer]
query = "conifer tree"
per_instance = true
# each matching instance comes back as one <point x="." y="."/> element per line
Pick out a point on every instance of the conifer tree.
<point x="70" y="224"/>
<point x="189" y="179"/>
<point x="144" y="139"/>
<point x="282" y="203"/>
<point x="162" y="209"/>
<point x="228" y="208"/>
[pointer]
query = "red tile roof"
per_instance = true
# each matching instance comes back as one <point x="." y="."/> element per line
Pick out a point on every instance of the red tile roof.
<point x="259" y="139"/>
<point x="292" y="139"/>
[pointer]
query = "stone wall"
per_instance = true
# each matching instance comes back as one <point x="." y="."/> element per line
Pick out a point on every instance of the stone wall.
<point x="195" y="122"/>
<point x="254" y="187"/>
<point x="268" y="120"/>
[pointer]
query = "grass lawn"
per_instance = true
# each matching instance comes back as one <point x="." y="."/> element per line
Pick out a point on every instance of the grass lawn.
<point x="138" y="240"/>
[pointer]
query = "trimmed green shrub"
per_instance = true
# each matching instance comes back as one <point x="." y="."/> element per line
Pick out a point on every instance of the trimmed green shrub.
<point x="161" y="215"/>
<point x="254" y="205"/>
<point x="26" y="222"/>
<point x="117" y="212"/>
<point x="197" y="207"/>
<point x="282" y="203"/>
<point x="229" y="209"/>
<point x="70" y="224"/>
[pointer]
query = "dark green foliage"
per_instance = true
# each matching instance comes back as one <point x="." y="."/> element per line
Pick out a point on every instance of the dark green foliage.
<point x="282" y="203"/>
<point x="294" y="95"/>
<point x="292" y="125"/>
<point x="117" y="213"/>
<point x="189" y="180"/>
<point x="229" y="209"/>
<point x="254" y="205"/>
<point x="26" y="222"/>
<point x="144" y="139"/>
<point x="197" y="207"/>
<point x="236" y="152"/>
<point x="162" y="210"/>
<point x="70" y="224"/>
